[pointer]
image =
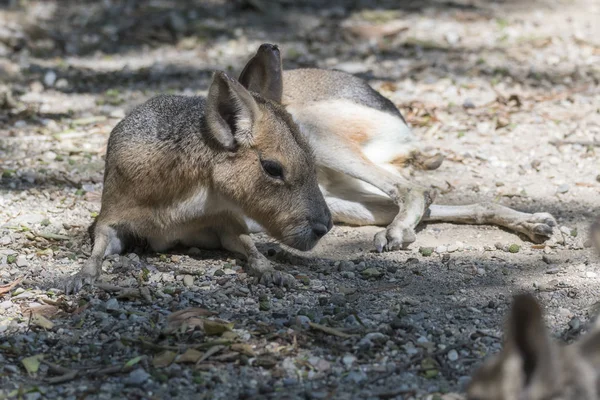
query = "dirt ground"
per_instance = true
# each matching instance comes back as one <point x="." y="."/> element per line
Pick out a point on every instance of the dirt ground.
<point x="507" y="91"/>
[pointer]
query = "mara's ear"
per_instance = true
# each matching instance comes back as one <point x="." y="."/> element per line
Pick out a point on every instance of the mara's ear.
<point x="589" y="346"/>
<point x="527" y="363"/>
<point x="230" y="112"/>
<point x="595" y="235"/>
<point x="262" y="74"/>
<point x="526" y="335"/>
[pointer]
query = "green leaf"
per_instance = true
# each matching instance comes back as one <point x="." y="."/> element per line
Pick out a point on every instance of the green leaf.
<point x="133" y="361"/>
<point x="32" y="364"/>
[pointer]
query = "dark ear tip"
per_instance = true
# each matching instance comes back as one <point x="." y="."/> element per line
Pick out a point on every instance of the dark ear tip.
<point x="222" y="76"/>
<point x="268" y="47"/>
<point x="526" y="307"/>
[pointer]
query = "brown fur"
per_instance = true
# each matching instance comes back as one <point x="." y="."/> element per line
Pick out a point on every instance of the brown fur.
<point x="188" y="170"/>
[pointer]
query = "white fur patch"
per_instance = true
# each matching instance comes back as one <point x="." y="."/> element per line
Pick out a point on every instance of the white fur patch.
<point x="387" y="136"/>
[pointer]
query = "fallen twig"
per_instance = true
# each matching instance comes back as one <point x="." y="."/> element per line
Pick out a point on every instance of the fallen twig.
<point x="7" y="288"/>
<point x="585" y="143"/>
<point x="329" y="330"/>
<point x="51" y="236"/>
<point x="182" y="347"/>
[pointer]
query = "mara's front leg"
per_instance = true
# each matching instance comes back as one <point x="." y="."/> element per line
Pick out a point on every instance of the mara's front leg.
<point x="107" y="240"/>
<point x="410" y="200"/>
<point x="234" y="237"/>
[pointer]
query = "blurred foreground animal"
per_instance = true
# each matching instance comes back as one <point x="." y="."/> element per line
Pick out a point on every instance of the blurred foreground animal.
<point x="595" y="235"/>
<point x="362" y="143"/>
<point x="532" y="367"/>
<point x="191" y="170"/>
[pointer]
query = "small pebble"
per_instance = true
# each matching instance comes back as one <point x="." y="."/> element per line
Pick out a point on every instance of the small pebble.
<point x="575" y="323"/>
<point x="452" y="355"/>
<point x="468" y="103"/>
<point x="348" y="360"/>
<point x="22" y="261"/>
<point x="112" y="304"/>
<point x="564" y="188"/>
<point x="441" y="249"/>
<point x="137" y="377"/>
<point x="50" y="78"/>
<point x="188" y="280"/>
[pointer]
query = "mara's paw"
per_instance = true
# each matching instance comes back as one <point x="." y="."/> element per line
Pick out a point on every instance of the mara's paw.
<point x="277" y="278"/>
<point x="538" y="227"/>
<point x="74" y="283"/>
<point x="262" y="269"/>
<point x="394" y="238"/>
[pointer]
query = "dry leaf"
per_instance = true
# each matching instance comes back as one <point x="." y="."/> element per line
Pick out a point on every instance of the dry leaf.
<point x="187" y="319"/>
<point x="44" y="310"/>
<point x="164" y="359"/>
<point x="217" y="326"/>
<point x="7" y="288"/>
<point x="41" y="321"/>
<point x="243" y="348"/>
<point x="190" y="356"/>
<point x="210" y="352"/>
<point x="229" y="335"/>
<point x="190" y="312"/>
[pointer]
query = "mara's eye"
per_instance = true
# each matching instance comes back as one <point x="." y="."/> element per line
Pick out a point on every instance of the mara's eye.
<point x="273" y="168"/>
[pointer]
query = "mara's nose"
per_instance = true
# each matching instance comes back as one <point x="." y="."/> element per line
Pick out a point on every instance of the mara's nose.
<point x="319" y="229"/>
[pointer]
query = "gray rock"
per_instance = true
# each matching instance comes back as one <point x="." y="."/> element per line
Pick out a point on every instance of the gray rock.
<point x="188" y="280"/>
<point x="33" y="396"/>
<point x="347" y="266"/>
<point x="575" y="323"/>
<point x="112" y="305"/>
<point x="348" y="275"/>
<point x="22" y="261"/>
<point x="50" y="78"/>
<point x="356" y="377"/>
<point x="338" y="299"/>
<point x="441" y="249"/>
<point x="303" y="321"/>
<point x="452" y="355"/>
<point x="564" y="188"/>
<point x="348" y="360"/>
<point x="11" y="368"/>
<point x="137" y="377"/>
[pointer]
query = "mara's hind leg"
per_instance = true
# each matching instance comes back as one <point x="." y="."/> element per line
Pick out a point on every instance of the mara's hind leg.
<point x="537" y="227"/>
<point x="106" y="240"/>
<point x="368" y="211"/>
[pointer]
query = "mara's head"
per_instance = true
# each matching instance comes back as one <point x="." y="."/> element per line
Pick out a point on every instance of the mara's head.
<point x="265" y="164"/>
<point x="532" y="367"/>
